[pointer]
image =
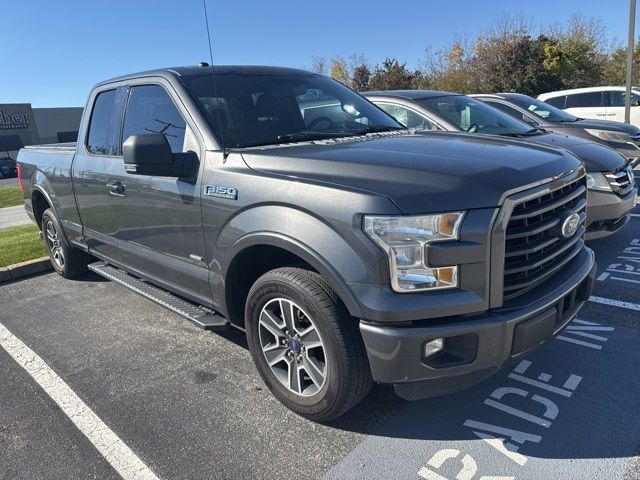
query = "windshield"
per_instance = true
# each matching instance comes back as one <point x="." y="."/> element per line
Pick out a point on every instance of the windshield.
<point x="474" y="116"/>
<point x="251" y="109"/>
<point x="542" y="110"/>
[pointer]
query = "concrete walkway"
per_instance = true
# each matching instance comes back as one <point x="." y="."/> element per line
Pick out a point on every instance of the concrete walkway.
<point x="13" y="216"/>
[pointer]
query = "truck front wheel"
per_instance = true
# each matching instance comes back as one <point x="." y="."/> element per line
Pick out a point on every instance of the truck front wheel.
<point x="67" y="261"/>
<point x="306" y="346"/>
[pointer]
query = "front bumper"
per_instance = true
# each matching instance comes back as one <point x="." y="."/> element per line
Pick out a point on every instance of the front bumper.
<point x="607" y="212"/>
<point x="476" y="346"/>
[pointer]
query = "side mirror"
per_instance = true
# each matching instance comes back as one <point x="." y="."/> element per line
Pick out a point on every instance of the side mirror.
<point x="150" y="154"/>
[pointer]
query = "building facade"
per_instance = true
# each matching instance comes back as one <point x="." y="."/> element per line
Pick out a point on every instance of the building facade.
<point x="21" y="125"/>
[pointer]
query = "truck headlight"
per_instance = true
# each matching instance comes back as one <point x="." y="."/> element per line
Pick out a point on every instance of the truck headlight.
<point x="404" y="239"/>
<point x="609" y="135"/>
<point x="597" y="181"/>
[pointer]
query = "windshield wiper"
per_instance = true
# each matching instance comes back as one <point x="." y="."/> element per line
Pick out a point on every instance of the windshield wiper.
<point x="302" y="136"/>
<point x="364" y="131"/>
<point x="309" y="136"/>
<point x="528" y="133"/>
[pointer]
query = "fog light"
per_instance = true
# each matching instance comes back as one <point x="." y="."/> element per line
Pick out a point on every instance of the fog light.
<point x="433" y="346"/>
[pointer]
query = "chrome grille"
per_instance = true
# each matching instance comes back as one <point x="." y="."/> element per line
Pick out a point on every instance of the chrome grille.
<point x="535" y="247"/>
<point x="621" y="181"/>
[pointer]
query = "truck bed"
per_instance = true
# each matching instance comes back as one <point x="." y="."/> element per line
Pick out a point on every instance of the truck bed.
<point x="48" y="166"/>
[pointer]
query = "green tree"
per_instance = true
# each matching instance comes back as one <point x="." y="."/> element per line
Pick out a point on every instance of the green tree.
<point x="578" y="55"/>
<point x="392" y="75"/>
<point x="616" y="69"/>
<point x="361" y="77"/>
<point x="514" y="63"/>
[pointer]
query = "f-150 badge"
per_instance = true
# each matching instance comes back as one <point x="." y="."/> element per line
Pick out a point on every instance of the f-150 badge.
<point x="221" y="192"/>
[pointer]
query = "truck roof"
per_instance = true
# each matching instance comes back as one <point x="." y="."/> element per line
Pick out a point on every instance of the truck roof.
<point x="207" y="69"/>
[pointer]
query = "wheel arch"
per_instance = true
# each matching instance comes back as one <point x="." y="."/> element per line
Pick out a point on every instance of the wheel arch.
<point x="284" y="250"/>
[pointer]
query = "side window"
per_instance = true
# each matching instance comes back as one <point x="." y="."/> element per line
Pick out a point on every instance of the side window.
<point x="406" y="117"/>
<point x="100" y="136"/>
<point x="513" y="112"/>
<point x="588" y="99"/>
<point x="150" y="109"/>
<point x="557" y="102"/>
<point x="617" y="99"/>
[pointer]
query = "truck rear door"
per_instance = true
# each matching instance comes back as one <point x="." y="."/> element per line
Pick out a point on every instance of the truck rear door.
<point x="96" y="151"/>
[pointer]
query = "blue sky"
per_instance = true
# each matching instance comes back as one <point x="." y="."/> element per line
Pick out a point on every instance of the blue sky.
<point x="52" y="52"/>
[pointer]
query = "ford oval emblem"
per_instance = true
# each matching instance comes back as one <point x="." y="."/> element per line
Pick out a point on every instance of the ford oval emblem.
<point x="570" y="225"/>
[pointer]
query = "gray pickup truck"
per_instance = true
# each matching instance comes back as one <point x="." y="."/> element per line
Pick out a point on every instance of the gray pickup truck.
<point x="350" y="249"/>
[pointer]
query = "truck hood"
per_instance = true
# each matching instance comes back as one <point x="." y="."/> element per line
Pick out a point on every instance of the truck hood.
<point x="427" y="172"/>
<point x="596" y="157"/>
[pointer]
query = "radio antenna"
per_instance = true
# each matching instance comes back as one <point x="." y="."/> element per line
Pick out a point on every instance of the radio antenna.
<point x="213" y="76"/>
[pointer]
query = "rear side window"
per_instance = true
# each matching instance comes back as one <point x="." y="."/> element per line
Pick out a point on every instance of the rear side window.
<point x="588" y="99"/>
<point x="513" y="112"/>
<point x="101" y="126"/>
<point x="557" y="102"/>
<point x="617" y="99"/>
<point x="150" y="109"/>
<point x="408" y="118"/>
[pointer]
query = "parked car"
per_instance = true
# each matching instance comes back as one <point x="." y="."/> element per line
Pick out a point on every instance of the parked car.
<point x="7" y="168"/>
<point x="612" y="188"/>
<point x="596" y="102"/>
<point x="623" y="137"/>
<point x="350" y="249"/>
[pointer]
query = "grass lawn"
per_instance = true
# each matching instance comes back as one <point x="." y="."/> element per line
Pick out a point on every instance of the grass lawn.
<point x="19" y="244"/>
<point x="10" y="196"/>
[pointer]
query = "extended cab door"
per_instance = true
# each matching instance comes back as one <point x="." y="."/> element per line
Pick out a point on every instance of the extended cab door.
<point x="158" y="221"/>
<point x="97" y="150"/>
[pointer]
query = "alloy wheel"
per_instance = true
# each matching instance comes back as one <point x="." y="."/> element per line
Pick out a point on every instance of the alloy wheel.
<point x="292" y="346"/>
<point x="54" y="244"/>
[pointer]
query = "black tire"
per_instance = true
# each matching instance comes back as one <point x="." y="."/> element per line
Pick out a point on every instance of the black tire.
<point x="66" y="260"/>
<point x="347" y="375"/>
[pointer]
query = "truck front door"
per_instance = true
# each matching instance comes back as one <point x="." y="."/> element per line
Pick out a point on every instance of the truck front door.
<point x="158" y="219"/>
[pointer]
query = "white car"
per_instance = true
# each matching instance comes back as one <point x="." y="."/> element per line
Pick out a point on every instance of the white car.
<point x="596" y="102"/>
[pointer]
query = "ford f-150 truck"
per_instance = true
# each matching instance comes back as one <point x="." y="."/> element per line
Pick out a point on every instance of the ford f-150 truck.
<point x="350" y="249"/>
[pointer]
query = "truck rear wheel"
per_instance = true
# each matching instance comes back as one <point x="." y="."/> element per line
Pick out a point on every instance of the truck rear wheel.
<point x="66" y="261"/>
<point x="305" y="345"/>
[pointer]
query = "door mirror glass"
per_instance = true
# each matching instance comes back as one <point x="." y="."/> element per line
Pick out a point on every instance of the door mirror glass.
<point x="150" y="154"/>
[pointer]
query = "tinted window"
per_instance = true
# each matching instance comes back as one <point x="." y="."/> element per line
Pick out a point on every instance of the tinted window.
<point x="542" y="109"/>
<point x="511" y="111"/>
<point x="406" y="117"/>
<point x="474" y="116"/>
<point x="262" y="108"/>
<point x="588" y="99"/>
<point x="557" y="102"/>
<point x="616" y="99"/>
<point x="100" y="139"/>
<point x="151" y="110"/>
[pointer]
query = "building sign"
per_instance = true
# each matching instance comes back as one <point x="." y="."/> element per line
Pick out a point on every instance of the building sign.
<point x="18" y="119"/>
<point x="11" y="119"/>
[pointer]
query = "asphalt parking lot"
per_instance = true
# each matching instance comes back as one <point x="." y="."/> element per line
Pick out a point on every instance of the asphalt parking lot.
<point x="189" y="403"/>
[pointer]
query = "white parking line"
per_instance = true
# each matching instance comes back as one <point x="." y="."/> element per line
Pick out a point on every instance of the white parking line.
<point x="634" y="214"/>
<point x="114" y="450"/>
<point x="616" y="303"/>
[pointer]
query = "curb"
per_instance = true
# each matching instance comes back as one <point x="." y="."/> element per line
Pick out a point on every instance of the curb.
<point x="24" y="269"/>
